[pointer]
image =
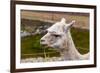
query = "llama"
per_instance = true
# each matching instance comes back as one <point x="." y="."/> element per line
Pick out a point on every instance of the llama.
<point x="59" y="37"/>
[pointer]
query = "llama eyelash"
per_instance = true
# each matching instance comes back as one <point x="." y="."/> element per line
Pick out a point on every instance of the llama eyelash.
<point x="55" y="35"/>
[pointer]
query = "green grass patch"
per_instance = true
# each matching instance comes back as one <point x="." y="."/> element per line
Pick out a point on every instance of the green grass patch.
<point x="31" y="45"/>
<point x="81" y="39"/>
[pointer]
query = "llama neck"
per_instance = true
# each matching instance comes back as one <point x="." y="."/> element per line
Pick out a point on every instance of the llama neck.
<point x="70" y="52"/>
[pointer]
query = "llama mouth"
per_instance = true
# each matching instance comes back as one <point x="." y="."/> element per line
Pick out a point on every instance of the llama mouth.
<point x="48" y="46"/>
<point x="44" y="45"/>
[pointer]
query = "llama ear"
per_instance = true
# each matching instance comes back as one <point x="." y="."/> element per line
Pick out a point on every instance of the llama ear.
<point x="70" y="24"/>
<point x="63" y="20"/>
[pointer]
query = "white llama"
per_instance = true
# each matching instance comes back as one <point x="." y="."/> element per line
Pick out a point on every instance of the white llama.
<point x="59" y="37"/>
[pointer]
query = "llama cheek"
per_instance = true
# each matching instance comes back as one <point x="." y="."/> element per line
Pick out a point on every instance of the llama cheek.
<point x="56" y="46"/>
<point x="64" y="45"/>
<point x="52" y="41"/>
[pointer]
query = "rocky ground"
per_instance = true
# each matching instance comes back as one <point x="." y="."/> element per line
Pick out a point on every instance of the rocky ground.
<point x="41" y="59"/>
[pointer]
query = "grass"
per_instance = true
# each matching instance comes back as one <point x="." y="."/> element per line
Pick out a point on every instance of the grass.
<point x="31" y="44"/>
<point x="81" y="39"/>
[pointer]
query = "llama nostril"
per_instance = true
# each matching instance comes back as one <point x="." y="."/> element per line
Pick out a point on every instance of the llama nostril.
<point x="42" y="40"/>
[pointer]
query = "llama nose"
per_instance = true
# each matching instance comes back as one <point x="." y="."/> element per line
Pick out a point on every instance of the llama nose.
<point x="42" y="42"/>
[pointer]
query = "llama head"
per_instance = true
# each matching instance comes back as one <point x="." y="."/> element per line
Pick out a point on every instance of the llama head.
<point x="56" y="36"/>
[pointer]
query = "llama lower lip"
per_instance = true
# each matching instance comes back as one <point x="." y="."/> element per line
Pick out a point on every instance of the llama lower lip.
<point x="45" y="46"/>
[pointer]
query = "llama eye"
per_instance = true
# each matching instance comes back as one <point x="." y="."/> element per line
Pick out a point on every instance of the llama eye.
<point x="56" y="35"/>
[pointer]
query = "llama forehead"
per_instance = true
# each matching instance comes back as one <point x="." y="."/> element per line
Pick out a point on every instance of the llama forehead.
<point x="57" y="28"/>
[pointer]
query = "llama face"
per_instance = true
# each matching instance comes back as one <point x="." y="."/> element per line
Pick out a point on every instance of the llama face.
<point x="56" y="36"/>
